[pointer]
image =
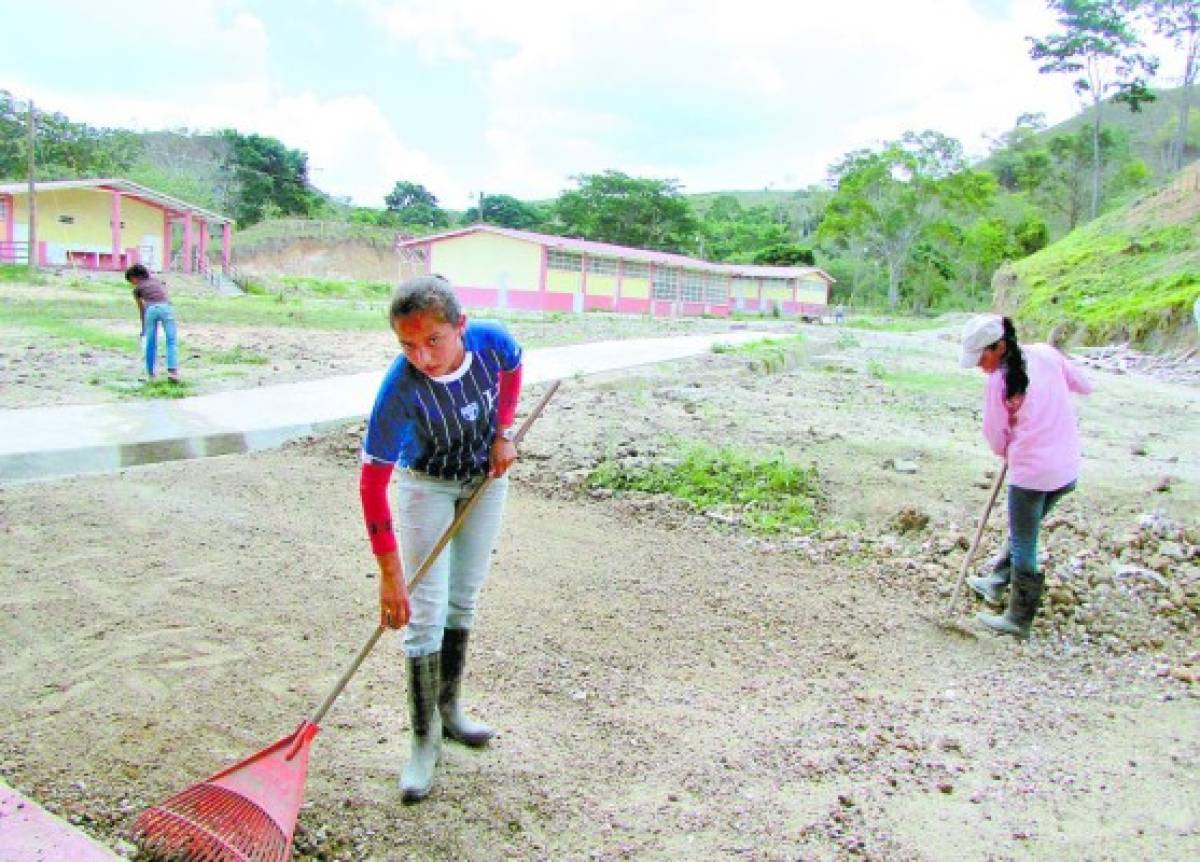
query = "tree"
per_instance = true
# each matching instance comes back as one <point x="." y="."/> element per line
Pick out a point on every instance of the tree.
<point x="614" y="207"/>
<point x="729" y="231"/>
<point x="785" y="254"/>
<point x="1171" y="144"/>
<point x="1019" y="159"/>
<point x="1068" y="180"/>
<point x="64" y="149"/>
<point x="885" y="202"/>
<point x="1179" y="21"/>
<point x="1099" y="45"/>
<point x="414" y="204"/>
<point x="265" y="172"/>
<point x="506" y="211"/>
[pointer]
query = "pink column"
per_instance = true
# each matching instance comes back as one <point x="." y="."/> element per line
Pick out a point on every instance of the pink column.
<point x="650" y="288"/>
<point x="203" y="245"/>
<point x="543" y="267"/>
<point x="9" y="220"/>
<point x="116" y="229"/>
<point x="226" y="234"/>
<point x="187" y="242"/>
<point x="166" y="245"/>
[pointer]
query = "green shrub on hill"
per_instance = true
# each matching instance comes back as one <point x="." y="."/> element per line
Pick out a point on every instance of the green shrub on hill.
<point x="1130" y="275"/>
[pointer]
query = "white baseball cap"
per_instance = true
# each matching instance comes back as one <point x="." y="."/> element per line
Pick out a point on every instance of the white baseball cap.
<point x="980" y="332"/>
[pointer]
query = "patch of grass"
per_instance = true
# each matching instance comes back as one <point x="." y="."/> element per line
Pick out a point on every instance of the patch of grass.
<point x="158" y="388"/>
<point x="337" y="289"/>
<point x="1112" y="279"/>
<point x="846" y="341"/>
<point x="770" y="354"/>
<point x="931" y="381"/>
<point x="894" y="324"/>
<point x="50" y="314"/>
<point x="766" y="495"/>
<point x="282" y="231"/>
<point x="20" y="273"/>
<point x="237" y="356"/>
<point x="75" y="331"/>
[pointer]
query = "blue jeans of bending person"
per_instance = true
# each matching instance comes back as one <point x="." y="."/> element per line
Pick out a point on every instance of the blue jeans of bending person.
<point x="160" y="312"/>
<point x="446" y="596"/>
<point x="1026" y="511"/>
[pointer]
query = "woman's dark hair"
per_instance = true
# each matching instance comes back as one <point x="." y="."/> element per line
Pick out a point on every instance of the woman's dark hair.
<point x="1016" y="381"/>
<point x="431" y="293"/>
<point x="137" y="271"/>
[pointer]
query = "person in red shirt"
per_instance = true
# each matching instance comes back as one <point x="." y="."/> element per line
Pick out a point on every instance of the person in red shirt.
<point x="154" y="309"/>
<point x="443" y="416"/>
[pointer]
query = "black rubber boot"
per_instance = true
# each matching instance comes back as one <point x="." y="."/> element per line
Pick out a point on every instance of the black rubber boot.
<point x="455" y="724"/>
<point x="424" y="683"/>
<point x="992" y="586"/>
<point x="1023" y="604"/>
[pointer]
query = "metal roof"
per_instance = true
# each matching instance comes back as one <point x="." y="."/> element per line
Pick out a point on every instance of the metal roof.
<point x="125" y="186"/>
<point x="603" y="249"/>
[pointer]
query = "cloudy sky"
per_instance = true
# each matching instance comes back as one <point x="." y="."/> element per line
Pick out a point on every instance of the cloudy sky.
<point x="515" y="97"/>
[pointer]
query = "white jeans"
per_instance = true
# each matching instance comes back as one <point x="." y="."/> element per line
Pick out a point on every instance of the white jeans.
<point x="446" y="596"/>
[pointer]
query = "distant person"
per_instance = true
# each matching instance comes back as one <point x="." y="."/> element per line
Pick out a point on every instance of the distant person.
<point x="839" y="314"/>
<point x="1196" y="313"/>
<point x="154" y="308"/>
<point x="1029" y="420"/>
<point x="444" y="415"/>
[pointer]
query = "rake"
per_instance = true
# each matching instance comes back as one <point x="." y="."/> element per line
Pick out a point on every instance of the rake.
<point x="946" y="622"/>
<point x="248" y="812"/>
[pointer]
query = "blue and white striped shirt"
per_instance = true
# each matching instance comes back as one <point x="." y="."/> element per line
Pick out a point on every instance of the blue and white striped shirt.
<point x="443" y="427"/>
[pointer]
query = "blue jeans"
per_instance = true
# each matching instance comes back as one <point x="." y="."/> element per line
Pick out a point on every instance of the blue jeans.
<point x="446" y="596"/>
<point x="160" y="312"/>
<point x="1026" y="510"/>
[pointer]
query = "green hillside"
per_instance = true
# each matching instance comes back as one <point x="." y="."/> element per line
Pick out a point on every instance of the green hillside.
<point x="1130" y="274"/>
<point x="1148" y="129"/>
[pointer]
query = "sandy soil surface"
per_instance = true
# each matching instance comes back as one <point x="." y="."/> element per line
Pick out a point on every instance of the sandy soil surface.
<point x="667" y="685"/>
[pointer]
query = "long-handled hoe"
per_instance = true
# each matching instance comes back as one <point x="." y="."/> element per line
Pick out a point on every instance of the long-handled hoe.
<point x="247" y="813"/>
<point x="947" y="622"/>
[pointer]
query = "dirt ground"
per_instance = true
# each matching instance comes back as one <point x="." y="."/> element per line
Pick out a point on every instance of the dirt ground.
<point x="666" y="685"/>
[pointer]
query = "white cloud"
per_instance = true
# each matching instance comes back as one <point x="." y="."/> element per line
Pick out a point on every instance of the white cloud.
<point x="574" y="88"/>
<point x="716" y="94"/>
<point x="353" y="148"/>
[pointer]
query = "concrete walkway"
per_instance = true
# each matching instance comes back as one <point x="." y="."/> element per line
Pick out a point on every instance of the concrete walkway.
<point x="29" y="833"/>
<point x="44" y="442"/>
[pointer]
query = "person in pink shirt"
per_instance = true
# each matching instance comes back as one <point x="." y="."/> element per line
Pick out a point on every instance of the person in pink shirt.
<point x="1029" y="420"/>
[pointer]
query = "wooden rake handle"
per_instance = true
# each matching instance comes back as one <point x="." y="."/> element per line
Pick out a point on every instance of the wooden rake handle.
<point x="455" y="525"/>
<point x="983" y="519"/>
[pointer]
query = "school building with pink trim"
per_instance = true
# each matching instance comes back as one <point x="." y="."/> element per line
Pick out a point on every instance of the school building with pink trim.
<point x="109" y="224"/>
<point x="495" y="267"/>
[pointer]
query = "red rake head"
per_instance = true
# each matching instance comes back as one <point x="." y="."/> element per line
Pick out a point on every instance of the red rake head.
<point x="207" y="823"/>
<point x="246" y="813"/>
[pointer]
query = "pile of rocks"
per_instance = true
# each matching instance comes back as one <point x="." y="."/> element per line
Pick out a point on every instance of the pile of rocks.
<point x="1121" y="359"/>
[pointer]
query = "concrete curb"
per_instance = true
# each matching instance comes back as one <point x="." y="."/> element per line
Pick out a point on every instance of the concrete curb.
<point x="49" y="442"/>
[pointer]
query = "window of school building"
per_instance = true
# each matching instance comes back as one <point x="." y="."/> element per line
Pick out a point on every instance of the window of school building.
<point x="666" y="283"/>
<point x="564" y="261"/>
<point x="602" y="265"/>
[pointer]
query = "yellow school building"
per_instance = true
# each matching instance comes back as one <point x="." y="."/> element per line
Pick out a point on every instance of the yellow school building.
<point x="109" y="224"/>
<point x="495" y="267"/>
